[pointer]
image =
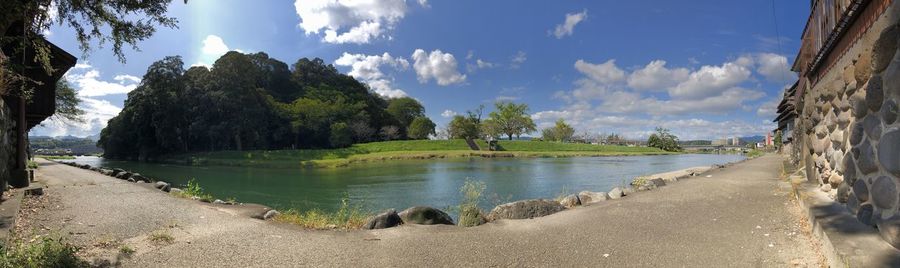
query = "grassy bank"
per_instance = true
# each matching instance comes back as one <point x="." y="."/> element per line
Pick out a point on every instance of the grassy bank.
<point x="400" y="150"/>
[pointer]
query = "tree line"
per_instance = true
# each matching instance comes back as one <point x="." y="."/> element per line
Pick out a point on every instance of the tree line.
<point x="251" y="101"/>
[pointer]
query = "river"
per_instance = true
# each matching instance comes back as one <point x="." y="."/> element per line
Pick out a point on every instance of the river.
<point x="405" y="183"/>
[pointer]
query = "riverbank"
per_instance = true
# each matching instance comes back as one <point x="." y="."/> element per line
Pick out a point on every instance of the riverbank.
<point x="399" y="150"/>
<point x="690" y="223"/>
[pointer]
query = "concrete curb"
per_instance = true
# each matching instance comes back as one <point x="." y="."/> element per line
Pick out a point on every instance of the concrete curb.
<point x="846" y="242"/>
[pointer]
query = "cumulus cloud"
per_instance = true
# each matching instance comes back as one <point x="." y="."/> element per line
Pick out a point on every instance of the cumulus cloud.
<point x="368" y="69"/>
<point x="711" y="80"/>
<point x="775" y="68"/>
<point x="97" y="113"/>
<point x="606" y="72"/>
<point x="214" y="45"/>
<point x="86" y="80"/>
<point x="350" y="21"/>
<point x="768" y="109"/>
<point x="448" y="114"/>
<point x="568" y="26"/>
<point x="437" y="65"/>
<point x="656" y="77"/>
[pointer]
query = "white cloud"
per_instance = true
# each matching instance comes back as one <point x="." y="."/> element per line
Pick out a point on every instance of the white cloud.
<point x="656" y="77"/>
<point x="350" y="21"/>
<point x="484" y="64"/>
<point x="775" y="68"/>
<point x="367" y="68"/>
<point x="424" y="3"/>
<point x="518" y="59"/>
<point x="86" y="80"/>
<point x="711" y="80"/>
<point x="606" y="72"/>
<point x="768" y="109"/>
<point x="214" y="46"/>
<point x="440" y="66"/>
<point x="96" y="114"/>
<point x="448" y="114"/>
<point x="566" y="28"/>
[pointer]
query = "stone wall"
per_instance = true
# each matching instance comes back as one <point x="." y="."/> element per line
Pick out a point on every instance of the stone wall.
<point x="851" y="131"/>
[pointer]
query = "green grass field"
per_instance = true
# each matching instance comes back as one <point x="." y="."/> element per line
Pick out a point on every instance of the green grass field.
<point x="398" y="150"/>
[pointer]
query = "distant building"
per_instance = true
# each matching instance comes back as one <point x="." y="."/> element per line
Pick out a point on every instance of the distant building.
<point x="735" y="141"/>
<point x="720" y="142"/>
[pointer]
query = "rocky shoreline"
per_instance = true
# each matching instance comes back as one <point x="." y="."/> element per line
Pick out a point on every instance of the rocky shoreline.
<point x="423" y="215"/>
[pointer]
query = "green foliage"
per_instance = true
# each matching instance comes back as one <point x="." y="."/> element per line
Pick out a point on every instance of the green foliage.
<point x="57" y="157"/>
<point x="778" y="137"/>
<point x="469" y="212"/>
<point x="510" y="119"/>
<point x="421" y="128"/>
<point x="340" y="135"/>
<point x="754" y="153"/>
<point x="560" y="132"/>
<point x="67" y="103"/>
<point x="405" y="110"/>
<point x="249" y="102"/>
<point x="346" y="217"/>
<point x="664" y="140"/>
<point x="44" y="252"/>
<point x="462" y="127"/>
<point x="31" y="165"/>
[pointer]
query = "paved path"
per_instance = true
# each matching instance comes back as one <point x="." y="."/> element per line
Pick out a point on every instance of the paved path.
<point x="740" y="216"/>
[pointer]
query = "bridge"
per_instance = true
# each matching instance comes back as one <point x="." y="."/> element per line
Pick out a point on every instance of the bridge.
<point x="717" y="148"/>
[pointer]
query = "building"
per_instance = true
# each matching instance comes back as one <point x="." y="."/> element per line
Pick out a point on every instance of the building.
<point x="787" y="113"/>
<point x="845" y="127"/>
<point x="18" y="114"/>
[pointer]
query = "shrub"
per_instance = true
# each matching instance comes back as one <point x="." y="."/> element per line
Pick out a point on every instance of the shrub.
<point x="341" y="135"/>
<point x="45" y="252"/>
<point x="469" y="213"/>
<point x="346" y="217"/>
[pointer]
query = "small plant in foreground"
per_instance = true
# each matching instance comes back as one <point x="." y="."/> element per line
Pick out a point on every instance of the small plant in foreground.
<point x="45" y="252"/>
<point x="469" y="212"/>
<point x="32" y="165"/>
<point x="346" y="217"/>
<point x="161" y="237"/>
<point x="126" y="250"/>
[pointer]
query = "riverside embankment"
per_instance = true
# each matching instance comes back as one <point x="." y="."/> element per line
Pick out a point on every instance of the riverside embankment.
<point x="736" y="216"/>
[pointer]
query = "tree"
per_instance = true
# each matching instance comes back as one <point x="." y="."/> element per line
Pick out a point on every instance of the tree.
<point x="463" y="127"/>
<point x="778" y="139"/>
<point x="341" y="136"/>
<point x="421" y="128"/>
<point x="560" y="132"/>
<point x="405" y="110"/>
<point x="511" y="119"/>
<point x="67" y="103"/>
<point x="390" y="133"/>
<point x="664" y="140"/>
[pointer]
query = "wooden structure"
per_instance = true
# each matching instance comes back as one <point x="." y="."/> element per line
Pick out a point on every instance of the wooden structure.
<point x="28" y="113"/>
<point x="787" y="113"/>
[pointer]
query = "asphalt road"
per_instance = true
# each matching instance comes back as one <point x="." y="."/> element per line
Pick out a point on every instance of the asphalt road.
<point x="739" y="216"/>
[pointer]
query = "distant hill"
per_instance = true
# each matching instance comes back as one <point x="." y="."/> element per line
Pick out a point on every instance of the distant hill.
<point x="79" y="146"/>
<point x="752" y="139"/>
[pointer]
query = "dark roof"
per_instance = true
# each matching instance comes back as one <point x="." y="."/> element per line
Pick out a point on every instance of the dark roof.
<point x="787" y="106"/>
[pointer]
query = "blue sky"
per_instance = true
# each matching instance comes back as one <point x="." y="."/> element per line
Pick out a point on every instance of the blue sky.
<point x="705" y="69"/>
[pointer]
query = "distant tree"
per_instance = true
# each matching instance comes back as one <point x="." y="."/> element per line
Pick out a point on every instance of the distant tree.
<point x="663" y="139"/>
<point x="405" y="110"/>
<point x="341" y="136"/>
<point x="361" y="130"/>
<point x="67" y="103"/>
<point x="511" y="119"/>
<point x="421" y="128"/>
<point x="390" y="133"/>
<point x="464" y="127"/>
<point x="490" y="129"/>
<point x="778" y="141"/>
<point x="560" y="132"/>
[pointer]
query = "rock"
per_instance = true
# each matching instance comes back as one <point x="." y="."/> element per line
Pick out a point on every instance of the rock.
<point x="627" y="190"/>
<point x="861" y="191"/>
<point x="164" y="186"/>
<point x="218" y="201"/>
<point x="889" y="151"/>
<point x="847" y="74"/>
<point x="139" y="177"/>
<point x="835" y="180"/>
<point x="836" y="137"/>
<point x="175" y="190"/>
<point x="884" y="49"/>
<point x="117" y="171"/>
<point x="872" y="126"/>
<point x="95" y="169"/>
<point x="270" y="214"/>
<point x="826" y="188"/>
<point x="525" y="209"/>
<point x="863" y="67"/>
<point x="386" y="219"/>
<point x="852" y="203"/>
<point x="849" y="169"/>
<point x="874" y="94"/>
<point x="125" y="175"/>
<point x="570" y="201"/>
<point x="843" y="192"/>
<point x="884" y="193"/>
<point x="865" y="158"/>
<point x="131" y="180"/>
<point x="592" y="197"/>
<point x="107" y="172"/>
<point x="425" y="216"/>
<point x="889" y="229"/>
<point x="659" y="182"/>
<point x="865" y="213"/>
<point x="889" y="112"/>
<point x="471" y="216"/>
<point x="858" y="101"/>
<point x="615" y="193"/>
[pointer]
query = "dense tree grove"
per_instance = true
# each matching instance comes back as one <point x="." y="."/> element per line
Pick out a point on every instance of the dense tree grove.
<point x="251" y="101"/>
<point x="560" y="132"/>
<point x="663" y="139"/>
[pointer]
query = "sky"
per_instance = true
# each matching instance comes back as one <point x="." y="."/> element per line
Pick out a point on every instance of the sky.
<point x="705" y="69"/>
